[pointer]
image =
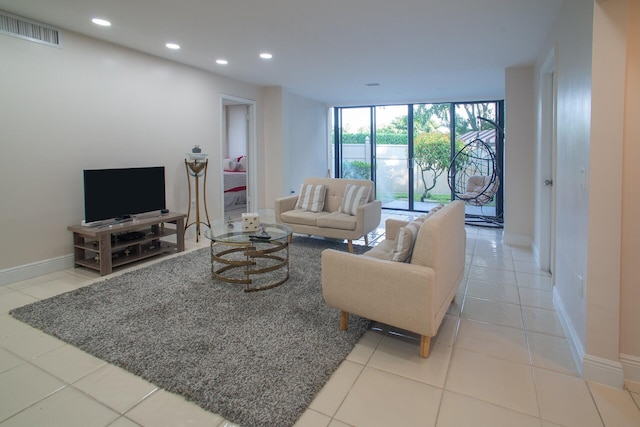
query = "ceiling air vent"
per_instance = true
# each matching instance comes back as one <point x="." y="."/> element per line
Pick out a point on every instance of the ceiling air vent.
<point x="26" y="29"/>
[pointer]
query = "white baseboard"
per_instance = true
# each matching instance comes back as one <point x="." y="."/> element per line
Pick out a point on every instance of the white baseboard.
<point x="604" y="371"/>
<point x="517" y="240"/>
<point x="577" y="349"/>
<point x="631" y="367"/>
<point x="34" y="269"/>
<point x="592" y="368"/>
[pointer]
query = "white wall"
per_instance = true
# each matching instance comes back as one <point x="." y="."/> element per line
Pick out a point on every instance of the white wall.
<point x="307" y="141"/>
<point x="594" y="207"/>
<point x="296" y="142"/>
<point x="605" y="182"/>
<point x="272" y="165"/>
<point x="519" y="152"/>
<point x="94" y="105"/>
<point x="571" y="37"/>
<point x="630" y="280"/>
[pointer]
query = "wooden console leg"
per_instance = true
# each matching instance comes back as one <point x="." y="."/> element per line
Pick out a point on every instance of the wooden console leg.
<point x="350" y="244"/>
<point x="425" y="343"/>
<point x="344" y="320"/>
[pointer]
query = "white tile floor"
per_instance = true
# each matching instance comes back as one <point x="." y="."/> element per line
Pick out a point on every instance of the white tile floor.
<point x="500" y="359"/>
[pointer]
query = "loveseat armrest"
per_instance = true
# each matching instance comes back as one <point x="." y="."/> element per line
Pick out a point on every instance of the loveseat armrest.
<point x="394" y="293"/>
<point x="391" y="227"/>
<point x="368" y="216"/>
<point x="284" y="204"/>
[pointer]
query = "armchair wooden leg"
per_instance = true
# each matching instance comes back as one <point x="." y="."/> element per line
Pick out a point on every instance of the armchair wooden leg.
<point x="425" y="343"/>
<point x="344" y="320"/>
<point x="350" y="243"/>
<point x="290" y="238"/>
<point x="366" y="240"/>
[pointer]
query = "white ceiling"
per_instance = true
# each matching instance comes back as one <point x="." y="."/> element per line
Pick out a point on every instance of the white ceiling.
<point x="327" y="50"/>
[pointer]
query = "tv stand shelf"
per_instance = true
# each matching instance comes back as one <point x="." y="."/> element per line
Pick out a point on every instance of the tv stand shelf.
<point x="104" y="247"/>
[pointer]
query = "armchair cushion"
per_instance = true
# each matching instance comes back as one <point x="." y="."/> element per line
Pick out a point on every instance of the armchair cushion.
<point x="354" y="196"/>
<point x="383" y="250"/>
<point x="311" y="197"/>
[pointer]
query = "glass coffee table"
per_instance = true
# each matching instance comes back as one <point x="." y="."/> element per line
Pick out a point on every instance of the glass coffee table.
<point x="257" y="259"/>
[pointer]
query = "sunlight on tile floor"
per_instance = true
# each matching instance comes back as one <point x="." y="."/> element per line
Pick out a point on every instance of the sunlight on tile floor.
<point x="500" y="358"/>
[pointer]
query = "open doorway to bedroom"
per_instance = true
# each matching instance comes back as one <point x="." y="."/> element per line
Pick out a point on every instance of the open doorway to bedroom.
<point x="237" y="144"/>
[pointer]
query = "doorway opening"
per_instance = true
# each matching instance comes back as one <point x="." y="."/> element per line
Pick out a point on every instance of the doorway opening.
<point x="237" y="154"/>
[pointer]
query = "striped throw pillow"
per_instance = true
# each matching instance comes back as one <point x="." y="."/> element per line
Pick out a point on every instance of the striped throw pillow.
<point x="405" y="239"/>
<point x="354" y="196"/>
<point x="311" y="197"/>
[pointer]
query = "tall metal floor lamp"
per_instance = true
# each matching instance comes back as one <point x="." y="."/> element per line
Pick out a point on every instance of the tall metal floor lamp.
<point x="196" y="167"/>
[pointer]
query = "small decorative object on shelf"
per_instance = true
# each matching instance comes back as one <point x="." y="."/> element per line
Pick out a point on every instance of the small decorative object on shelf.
<point x="196" y="149"/>
<point x="250" y="221"/>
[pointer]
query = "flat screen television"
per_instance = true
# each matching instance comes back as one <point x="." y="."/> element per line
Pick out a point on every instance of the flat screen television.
<point x="120" y="193"/>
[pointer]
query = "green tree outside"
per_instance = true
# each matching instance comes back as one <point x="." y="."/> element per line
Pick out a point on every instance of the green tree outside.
<point x="432" y="154"/>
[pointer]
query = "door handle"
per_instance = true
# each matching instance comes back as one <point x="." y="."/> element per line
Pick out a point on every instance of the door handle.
<point x="548" y="182"/>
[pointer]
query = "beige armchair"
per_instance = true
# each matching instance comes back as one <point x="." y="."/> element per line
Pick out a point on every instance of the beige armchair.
<point x="412" y="295"/>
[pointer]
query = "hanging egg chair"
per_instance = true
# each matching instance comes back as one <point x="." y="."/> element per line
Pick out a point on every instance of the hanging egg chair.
<point x="473" y="174"/>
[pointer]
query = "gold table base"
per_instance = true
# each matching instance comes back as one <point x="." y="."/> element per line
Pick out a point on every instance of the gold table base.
<point x="249" y="254"/>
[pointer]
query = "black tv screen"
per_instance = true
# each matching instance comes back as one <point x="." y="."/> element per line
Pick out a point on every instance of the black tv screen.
<point x="116" y="193"/>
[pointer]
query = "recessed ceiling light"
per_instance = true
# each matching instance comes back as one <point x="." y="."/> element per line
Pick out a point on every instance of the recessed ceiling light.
<point x="372" y="84"/>
<point x="101" y="22"/>
<point x="266" y="55"/>
<point x="222" y="61"/>
<point x="173" y="46"/>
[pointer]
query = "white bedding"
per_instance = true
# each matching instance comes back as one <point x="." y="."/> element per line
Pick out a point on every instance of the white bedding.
<point x="235" y="180"/>
<point x="235" y="189"/>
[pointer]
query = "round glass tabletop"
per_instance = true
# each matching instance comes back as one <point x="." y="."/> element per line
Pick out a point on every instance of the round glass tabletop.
<point x="223" y="233"/>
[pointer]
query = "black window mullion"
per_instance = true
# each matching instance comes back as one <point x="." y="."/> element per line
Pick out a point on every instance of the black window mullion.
<point x="410" y="154"/>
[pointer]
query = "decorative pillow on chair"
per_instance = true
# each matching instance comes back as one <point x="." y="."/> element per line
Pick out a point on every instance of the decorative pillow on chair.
<point x="405" y="239"/>
<point x="311" y="197"/>
<point x="242" y="164"/>
<point x="354" y="196"/>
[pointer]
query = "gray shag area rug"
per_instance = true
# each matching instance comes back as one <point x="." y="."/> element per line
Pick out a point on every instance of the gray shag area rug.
<point x="257" y="359"/>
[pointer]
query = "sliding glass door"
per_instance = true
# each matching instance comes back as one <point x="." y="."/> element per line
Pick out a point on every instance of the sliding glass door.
<point x="392" y="168"/>
<point x="355" y="140"/>
<point x="432" y="154"/>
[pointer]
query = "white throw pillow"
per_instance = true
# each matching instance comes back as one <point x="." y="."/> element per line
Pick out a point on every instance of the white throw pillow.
<point x="354" y="196"/>
<point x="242" y="164"/>
<point x="229" y="165"/>
<point x="311" y="197"/>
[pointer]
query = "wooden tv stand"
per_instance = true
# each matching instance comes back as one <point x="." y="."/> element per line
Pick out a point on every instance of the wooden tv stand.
<point x="104" y="247"/>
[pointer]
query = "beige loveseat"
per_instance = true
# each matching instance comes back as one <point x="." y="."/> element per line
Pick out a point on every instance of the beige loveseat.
<point x="329" y="218"/>
<point x="413" y="295"/>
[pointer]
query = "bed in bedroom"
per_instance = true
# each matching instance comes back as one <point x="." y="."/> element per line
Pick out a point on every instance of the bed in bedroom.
<point x="235" y="183"/>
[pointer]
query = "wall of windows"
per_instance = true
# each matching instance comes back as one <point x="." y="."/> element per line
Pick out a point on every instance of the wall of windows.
<point x="408" y="151"/>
